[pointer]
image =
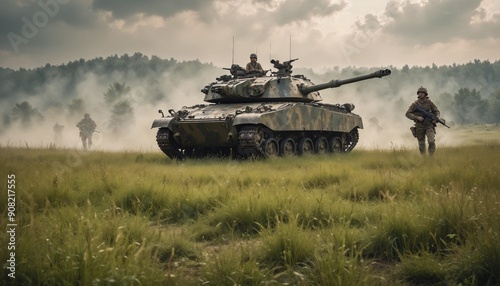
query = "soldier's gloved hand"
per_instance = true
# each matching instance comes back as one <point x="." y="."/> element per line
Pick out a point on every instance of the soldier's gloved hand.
<point x="420" y="118"/>
<point x="434" y="121"/>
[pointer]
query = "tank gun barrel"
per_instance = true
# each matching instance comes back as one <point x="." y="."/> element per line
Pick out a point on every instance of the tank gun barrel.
<point x="337" y="82"/>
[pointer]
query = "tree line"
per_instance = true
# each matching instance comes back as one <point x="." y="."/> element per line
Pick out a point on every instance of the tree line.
<point x="470" y="93"/>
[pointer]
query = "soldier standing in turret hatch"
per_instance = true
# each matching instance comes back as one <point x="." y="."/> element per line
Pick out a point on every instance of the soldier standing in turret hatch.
<point x="87" y="128"/>
<point x="253" y="66"/>
<point x="421" y="128"/>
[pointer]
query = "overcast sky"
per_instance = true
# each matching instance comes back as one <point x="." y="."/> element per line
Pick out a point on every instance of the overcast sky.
<point x="321" y="33"/>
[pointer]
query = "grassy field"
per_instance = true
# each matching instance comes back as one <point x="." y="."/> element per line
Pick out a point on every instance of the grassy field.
<point x="371" y="217"/>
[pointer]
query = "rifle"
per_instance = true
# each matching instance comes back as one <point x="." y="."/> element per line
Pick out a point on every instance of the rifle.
<point x="429" y="116"/>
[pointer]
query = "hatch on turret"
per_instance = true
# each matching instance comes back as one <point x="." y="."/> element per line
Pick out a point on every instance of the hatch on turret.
<point x="259" y="115"/>
<point x="265" y="88"/>
<point x="280" y="86"/>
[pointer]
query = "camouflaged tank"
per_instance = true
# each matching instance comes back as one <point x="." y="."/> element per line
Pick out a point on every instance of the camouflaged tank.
<point x="259" y="115"/>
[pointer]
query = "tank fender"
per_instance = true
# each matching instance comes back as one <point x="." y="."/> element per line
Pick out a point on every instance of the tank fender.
<point x="162" y="122"/>
<point x="247" y="118"/>
<point x="302" y="117"/>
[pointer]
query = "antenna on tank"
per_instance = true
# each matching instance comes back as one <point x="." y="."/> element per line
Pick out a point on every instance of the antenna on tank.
<point x="290" y="46"/>
<point x="270" y="51"/>
<point x="232" y="59"/>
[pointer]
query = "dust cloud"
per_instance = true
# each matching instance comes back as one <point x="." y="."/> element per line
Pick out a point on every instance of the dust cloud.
<point x="385" y="124"/>
<point x="132" y="133"/>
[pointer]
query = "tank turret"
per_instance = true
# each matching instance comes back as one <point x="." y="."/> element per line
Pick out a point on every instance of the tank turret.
<point x="279" y="86"/>
<point x="260" y="115"/>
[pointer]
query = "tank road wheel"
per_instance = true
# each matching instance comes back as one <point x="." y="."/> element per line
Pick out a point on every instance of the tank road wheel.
<point x="306" y="146"/>
<point x="270" y="148"/>
<point x="321" y="145"/>
<point x="287" y="147"/>
<point x="336" y="145"/>
<point x="168" y="145"/>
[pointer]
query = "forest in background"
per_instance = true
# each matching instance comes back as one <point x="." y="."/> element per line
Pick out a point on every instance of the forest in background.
<point x="121" y="82"/>
<point x="127" y="90"/>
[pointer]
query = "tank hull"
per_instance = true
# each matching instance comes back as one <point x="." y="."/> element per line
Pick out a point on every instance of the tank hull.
<point x="257" y="129"/>
<point x="255" y="115"/>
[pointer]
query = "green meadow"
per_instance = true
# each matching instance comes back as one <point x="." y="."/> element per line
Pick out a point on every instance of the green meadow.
<point x="370" y="217"/>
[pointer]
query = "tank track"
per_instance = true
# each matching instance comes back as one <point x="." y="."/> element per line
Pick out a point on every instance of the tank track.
<point x="249" y="140"/>
<point x="351" y="140"/>
<point x="167" y="145"/>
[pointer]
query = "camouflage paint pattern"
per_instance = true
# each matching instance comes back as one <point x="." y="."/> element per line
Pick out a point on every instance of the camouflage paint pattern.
<point x="215" y="125"/>
<point x="287" y="105"/>
<point x="261" y="89"/>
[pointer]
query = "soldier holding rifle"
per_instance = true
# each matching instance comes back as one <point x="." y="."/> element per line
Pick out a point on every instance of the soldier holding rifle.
<point x="87" y="128"/>
<point x="425" y="114"/>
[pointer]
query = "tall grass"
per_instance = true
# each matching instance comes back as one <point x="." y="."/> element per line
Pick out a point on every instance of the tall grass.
<point x="364" y="218"/>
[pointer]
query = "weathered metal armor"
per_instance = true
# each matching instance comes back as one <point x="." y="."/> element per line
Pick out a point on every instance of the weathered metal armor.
<point x="261" y="116"/>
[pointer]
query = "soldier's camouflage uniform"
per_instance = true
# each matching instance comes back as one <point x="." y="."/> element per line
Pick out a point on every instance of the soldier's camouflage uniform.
<point x="87" y="128"/>
<point x="423" y="129"/>
<point x="254" y="67"/>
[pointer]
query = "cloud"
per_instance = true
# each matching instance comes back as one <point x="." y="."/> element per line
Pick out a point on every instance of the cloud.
<point x="123" y="9"/>
<point x="71" y="12"/>
<point x="296" y="11"/>
<point x="280" y="12"/>
<point x="25" y="24"/>
<point x="369" y="24"/>
<point x="438" y="21"/>
<point x="334" y="31"/>
<point x="422" y="32"/>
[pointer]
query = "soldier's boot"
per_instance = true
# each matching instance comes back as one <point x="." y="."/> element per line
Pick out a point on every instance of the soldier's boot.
<point x="432" y="148"/>
<point x="421" y="147"/>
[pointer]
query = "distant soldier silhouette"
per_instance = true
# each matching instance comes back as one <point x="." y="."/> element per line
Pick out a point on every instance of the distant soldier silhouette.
<point x="58" y="128"/>
<point x="87" y="128"/>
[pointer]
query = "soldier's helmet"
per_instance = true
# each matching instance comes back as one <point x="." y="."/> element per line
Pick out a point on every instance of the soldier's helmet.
<point x="253" y="55"/>
<point x="86" y="115"/>
<point x="422" y="89"/>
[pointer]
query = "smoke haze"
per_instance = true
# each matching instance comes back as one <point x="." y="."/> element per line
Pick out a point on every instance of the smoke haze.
<point x="62" y="94"/>
<point x="327" y="35"/>
<point x="147" y="94"/>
